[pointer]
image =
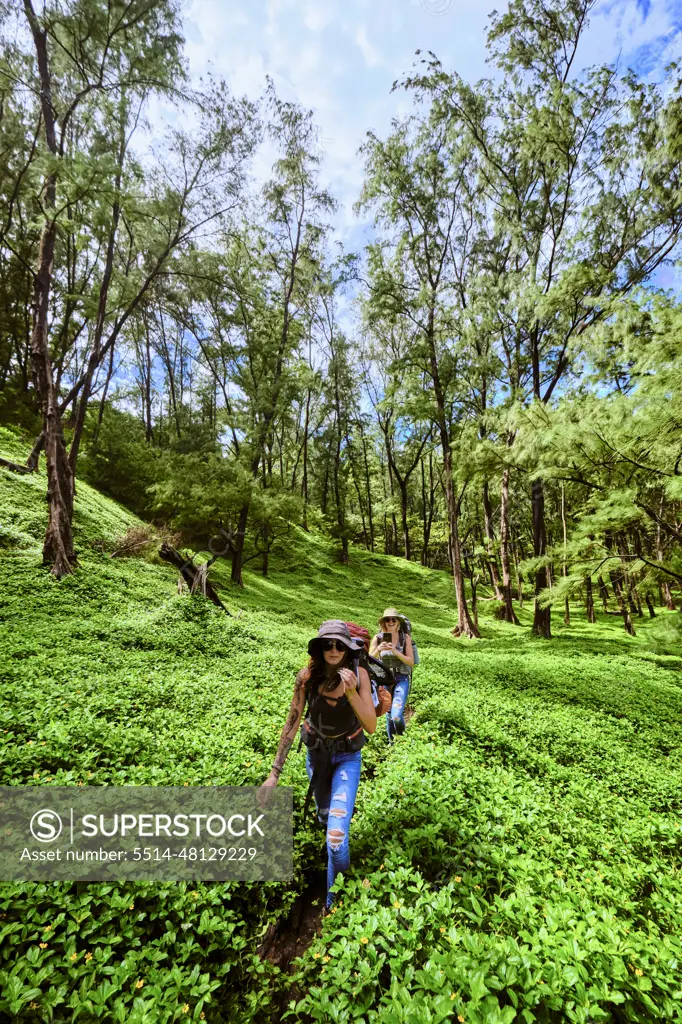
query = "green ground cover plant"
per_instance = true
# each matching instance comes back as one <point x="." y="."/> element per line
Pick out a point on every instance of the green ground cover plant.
<point x="516" y="856"/>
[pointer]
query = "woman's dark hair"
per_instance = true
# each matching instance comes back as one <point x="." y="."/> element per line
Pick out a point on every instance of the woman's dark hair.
<point x="317" y="673"/>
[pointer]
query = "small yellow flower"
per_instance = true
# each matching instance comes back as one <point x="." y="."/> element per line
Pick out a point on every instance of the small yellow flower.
<point x="139" y="983"/>
<point x="185" y="1007"/>
<point x="366" y="883"/>
<point x="452" y="995"/>
<point x="74" y="956"/>
<point x="88" y="956"/>
<point x="29" y="743"/>
<point x="43" y="945"/>
<point x="477" y="887"/>
<point x="316" y="956"/>
<point x="458" y="878"/>
<point x="460" y="1018"/>
<point x="364" y="940"/>
<point x="202" y="1015"/>
<point x="402" y="792"/>
<point x="33" y="1006"/>
<point x="131" y="907"/>
<point x="441" y="929"/>
<point x="638" y="972"/>
<point x="47" y="928"/>
<point x="325" y="959"/>
<point x="397" y="904"/>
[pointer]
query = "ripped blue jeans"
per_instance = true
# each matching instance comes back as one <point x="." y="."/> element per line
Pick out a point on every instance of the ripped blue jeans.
<point x="395" y="719"/>
<point x="335" y="801"/>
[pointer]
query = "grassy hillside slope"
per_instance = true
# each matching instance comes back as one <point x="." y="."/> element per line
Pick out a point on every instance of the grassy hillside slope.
<point x="516" y="856"/>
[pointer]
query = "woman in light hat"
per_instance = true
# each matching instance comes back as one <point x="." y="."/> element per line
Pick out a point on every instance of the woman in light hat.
<point x="340" y="711"/>
<point x="398" y="655"/>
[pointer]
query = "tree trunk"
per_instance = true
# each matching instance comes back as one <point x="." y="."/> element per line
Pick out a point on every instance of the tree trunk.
<point x="266" y="553"/>
<point x="564" y="567"/>
<point x="369" y="488"/>
<point x="490" y="541"/>
<point x="465" y="624"/>
<point x="58" y="550"/>
<point x="403" y="509"/>
<point x="541" y="616"/>
<point x="509" y="613"/>
<point x="238" y="550"/>
<point x="589" y="600"/>
<point x="650" y="604"/>
<point x="622" y="603"/>
<point x="603" y="593"/>
<point x="394" y="522"/>
<point x="189" y="572"/>
<point x="665" y="586"/>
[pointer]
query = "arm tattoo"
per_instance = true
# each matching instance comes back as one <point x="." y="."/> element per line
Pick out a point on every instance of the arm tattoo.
<point x="288" y="733"/>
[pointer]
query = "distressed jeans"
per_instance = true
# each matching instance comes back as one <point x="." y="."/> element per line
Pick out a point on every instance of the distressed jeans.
<point x="395" y="719"/>
<point x="335" y="800"/>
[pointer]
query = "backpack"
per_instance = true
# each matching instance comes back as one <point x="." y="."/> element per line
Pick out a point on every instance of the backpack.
<point x="380" y="677"/>
<point x="408" y="630"/>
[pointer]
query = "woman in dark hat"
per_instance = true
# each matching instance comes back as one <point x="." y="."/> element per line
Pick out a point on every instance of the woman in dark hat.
<point x="340" y="711"/>
<point x="398" y="655"/>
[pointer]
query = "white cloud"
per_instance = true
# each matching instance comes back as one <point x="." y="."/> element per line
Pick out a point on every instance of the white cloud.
<point x="370" y="54"/>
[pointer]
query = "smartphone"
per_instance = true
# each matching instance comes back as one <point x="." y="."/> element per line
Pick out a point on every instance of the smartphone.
<point x="387" y="638"/>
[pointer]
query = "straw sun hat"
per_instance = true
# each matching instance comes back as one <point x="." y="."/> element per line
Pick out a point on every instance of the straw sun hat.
<point x="392" y="613"/>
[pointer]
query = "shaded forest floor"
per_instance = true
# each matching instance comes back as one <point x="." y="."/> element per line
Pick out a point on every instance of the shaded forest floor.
<point x="516" y="856"/>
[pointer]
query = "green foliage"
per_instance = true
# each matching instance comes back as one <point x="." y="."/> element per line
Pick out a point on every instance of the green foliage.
<point x="516" y="856"/>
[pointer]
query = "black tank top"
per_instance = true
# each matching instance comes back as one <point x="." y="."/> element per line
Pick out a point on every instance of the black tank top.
<point x="332" y="716"/>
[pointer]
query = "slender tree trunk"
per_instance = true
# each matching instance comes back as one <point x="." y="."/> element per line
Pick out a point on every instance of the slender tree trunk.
<point x="650" y="604"/>
<point x="103" y="399"/>
<point x="564" y="567"/>
<point x="509" y="613"/>
<point x="465" y="624"/>
<point x="603" y="593"/>
<point x="665" y="586"/>
<point x="519" y="577"/>
<point x="305" y="461"/>
<point x="403" y="509"/>
<point x="58" y="550"/>
<point x="622" y="603"/>
<point x="490" y="542"/>
<point x="368" y="485"/>
<point x="541" y="616"/>
<point x="238" y="550"/>
<point x="589" y="600"/>
<point x="394" y="522"/>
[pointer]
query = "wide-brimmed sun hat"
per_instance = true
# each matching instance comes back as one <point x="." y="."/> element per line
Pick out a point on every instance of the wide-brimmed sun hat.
<point x="332" y="629"/>
<point x="391" y="613"/>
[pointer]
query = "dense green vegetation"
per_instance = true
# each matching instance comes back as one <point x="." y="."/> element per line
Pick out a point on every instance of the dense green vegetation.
<point x="476" y="419"/>
<point x="516" y="856"/>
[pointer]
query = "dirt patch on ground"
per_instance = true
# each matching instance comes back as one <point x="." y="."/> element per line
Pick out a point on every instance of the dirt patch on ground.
<point x="287" y="939"/>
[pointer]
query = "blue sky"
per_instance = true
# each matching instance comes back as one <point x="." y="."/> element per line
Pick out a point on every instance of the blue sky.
<point x="341" y="57"/>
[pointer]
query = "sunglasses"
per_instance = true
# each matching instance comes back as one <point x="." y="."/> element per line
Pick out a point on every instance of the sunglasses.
<point x="333" y="645"/>
<point x="390" y="620"/>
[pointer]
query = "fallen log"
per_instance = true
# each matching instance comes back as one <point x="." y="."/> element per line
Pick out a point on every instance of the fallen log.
<point x="194" y="576"/>
<point x="15" y="466"/>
